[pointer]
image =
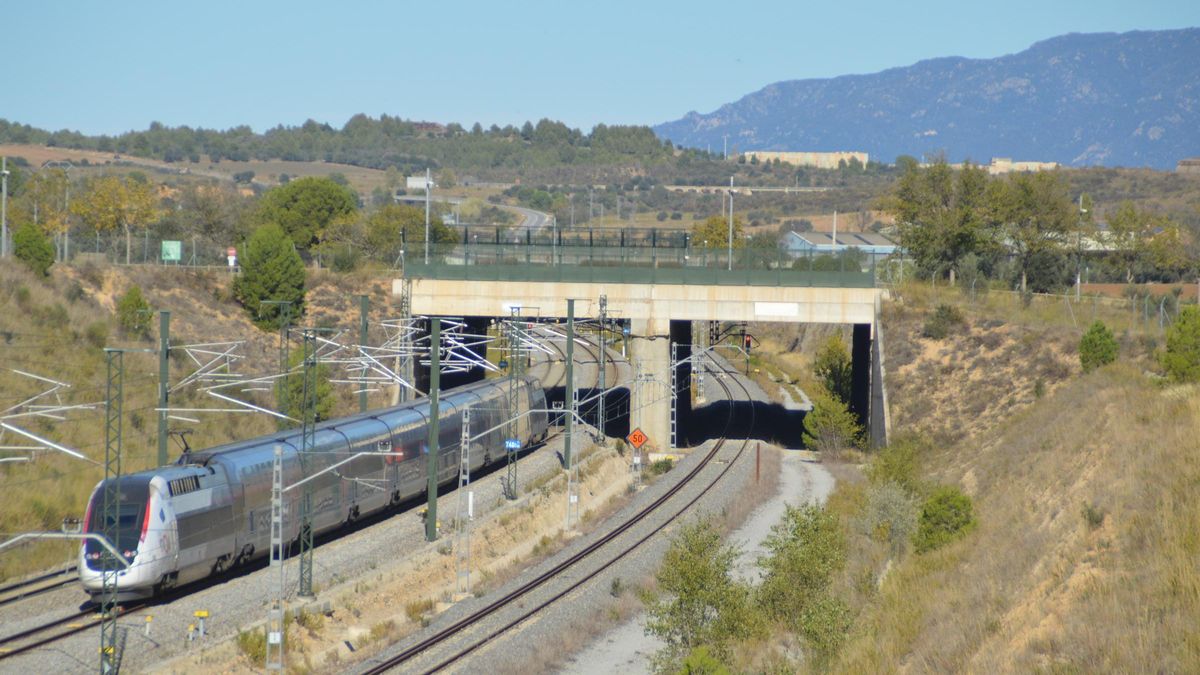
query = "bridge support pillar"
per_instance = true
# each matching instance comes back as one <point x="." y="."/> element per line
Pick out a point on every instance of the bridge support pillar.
<point x="650" y="404"/>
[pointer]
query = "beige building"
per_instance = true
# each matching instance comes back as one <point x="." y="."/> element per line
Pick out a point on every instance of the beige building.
<point x="1002" y="165"/>
<point x="1190" y="165"/>
<point x="819" y="160"/>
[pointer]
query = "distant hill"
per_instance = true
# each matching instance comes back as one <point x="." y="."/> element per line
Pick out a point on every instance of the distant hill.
<point x="1128" y="99"/>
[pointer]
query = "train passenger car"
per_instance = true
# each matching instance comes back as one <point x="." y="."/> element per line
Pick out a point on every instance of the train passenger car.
<point x="212" y="510"/>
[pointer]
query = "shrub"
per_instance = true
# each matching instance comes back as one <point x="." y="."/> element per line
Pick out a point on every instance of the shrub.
<point x="945" y="516"/>
<point x="889" y="516"/>
<point x="1093" y="515"/>
<point x="1181" y="359"/>
<point x="833" y="368"/>
<point x="661" y="466"/>
<point x="133" y="313"/>
<point x="96" y="334"/>
<point x="415" y="611"/>
<point x="804" y="550"/>
<point x="253" y="644"/>
<point x="944" y="318"/>
<point x="700" y="602"/>
<point x="701" y="662"/>
<point x="825" y="624"/>
<point x="32" y="247"/>
<point x="1097" y="347"/>
<point x="271" y="270"/>
<point x="830" y="427"/>
<point x="899" y="463"/>
<point x="345" y="259"/>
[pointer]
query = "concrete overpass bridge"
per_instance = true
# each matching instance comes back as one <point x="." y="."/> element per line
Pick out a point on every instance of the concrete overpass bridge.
<point x="658" y="296"/>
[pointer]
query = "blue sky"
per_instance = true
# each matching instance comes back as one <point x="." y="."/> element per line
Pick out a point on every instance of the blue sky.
<point x="113" y="66"/>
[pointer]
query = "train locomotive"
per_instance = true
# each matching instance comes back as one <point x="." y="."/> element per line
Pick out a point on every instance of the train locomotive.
<point x="211" y="510"/>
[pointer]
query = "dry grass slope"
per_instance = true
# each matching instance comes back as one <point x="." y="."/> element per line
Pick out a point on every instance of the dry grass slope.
<point x="1084" y="556"/>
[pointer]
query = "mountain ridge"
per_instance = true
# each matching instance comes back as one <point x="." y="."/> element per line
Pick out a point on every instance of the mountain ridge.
<point x="1081" y="99"/>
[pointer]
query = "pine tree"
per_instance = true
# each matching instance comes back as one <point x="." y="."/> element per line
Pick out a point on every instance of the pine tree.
<point x="271" y="270"/>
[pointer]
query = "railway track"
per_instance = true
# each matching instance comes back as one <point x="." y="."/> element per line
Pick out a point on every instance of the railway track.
<point x="52" y="631"/>
<point x="37" y="585"/>
<point x="519" y="595"/>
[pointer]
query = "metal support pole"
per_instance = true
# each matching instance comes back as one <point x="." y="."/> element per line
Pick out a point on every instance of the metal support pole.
<point x="275" y="625"/>
<point x="3" y="207"/>
<point x="308" y="433"/>
<point x="431" y="463"/>
<point x="164" y="374"/>
<point x="603" y="411"/>
<point x="569" y="425"/>
<point x="466" y="510"/>
<point x="364" y="306"/>
<point x="428" y="188"/>
<point x="110" y="643"/>
<point x="404" y="362"/>
<point x="569" y="393"/>
<point x="515" y="368"/>
<point x="731" y="223"/>
<point x="674" y="396"/>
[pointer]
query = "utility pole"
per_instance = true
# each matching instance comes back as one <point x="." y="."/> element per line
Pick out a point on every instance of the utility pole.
<point x="516" y="366"/>
<point x="364" y="306"/>
<point x="428" y="188"/>
<point x="466" y="510"/>
<point x="110" y="656"/>
<point x="603" y="348"/>
<point x="308" y="418"/>
<point x="572" y="210"/>
<point x="164" y="374"/>
<point x="726" y="137"/>
<point x="572" y="487"/>
<point x="731" y="223"/>
<point x="275" y="624"/>
<point x="431" y="463"/>
<point x="3" y="207"/>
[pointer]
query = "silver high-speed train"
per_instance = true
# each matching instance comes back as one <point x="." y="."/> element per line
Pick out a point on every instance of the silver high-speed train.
<point x="212" y="510"/>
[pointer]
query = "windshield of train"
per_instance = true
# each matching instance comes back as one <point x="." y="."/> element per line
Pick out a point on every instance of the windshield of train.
<point x="125" y="526"/>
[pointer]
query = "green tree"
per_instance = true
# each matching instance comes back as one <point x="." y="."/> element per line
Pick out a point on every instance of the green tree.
<point x="289" y="392"/>
<point x="713" y="233"/>
<point x="33" y="247"/>
<point x="945" y="516"/>
<point x="701" y="604"/>
<point x="1181" y="358"/>
<point x="387" y="227"/>
<point x="133" y="313"/>
<point x="1097" y="347"/>
<point x="305" y="207"/>
<point x="1036" y="214"/>
<point x="940" y="213"/>
<point x="830" y="427"/>
<point x="833" y="368"/>
<point x="271" y="270"/>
